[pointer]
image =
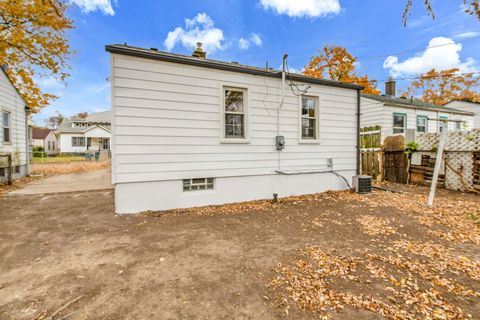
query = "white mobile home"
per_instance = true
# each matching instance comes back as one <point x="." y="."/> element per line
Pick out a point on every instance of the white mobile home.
<point x="14" y="130"/>
<point x="189" y="131"/>
<point x="392" y="115"/>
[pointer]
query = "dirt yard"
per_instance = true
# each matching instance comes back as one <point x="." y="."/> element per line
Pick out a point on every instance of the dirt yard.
<point x="334" y="255"/>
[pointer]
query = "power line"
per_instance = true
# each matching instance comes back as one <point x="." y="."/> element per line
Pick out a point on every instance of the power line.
<point x="388" y="55"/>
<point x="455" y="75"/>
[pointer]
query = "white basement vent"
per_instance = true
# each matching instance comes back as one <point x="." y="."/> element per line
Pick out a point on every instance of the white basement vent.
<point x="198" y="184"/>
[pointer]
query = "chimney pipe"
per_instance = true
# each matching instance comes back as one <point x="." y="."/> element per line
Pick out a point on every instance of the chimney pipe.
<point x="199" y="53"/>
<point x="390" y="89"/>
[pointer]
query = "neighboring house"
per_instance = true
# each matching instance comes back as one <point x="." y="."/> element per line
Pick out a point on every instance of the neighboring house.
<point x="80" y="135"/>
<point x="469" y="107"/>
<point x="392" y="115"/>
<point x="14" y="129"/>
<point x="46" y="138"/>
<point x="190" y="131"/>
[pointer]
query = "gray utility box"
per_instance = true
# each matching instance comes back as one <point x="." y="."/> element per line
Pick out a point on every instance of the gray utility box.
<point x="362" y="184"/>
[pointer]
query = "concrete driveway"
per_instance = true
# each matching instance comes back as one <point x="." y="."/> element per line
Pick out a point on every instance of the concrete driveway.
<point x="73" y="182"/>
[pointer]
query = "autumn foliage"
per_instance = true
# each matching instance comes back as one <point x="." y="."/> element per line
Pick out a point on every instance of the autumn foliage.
<point x="440" y="87"/>
<point x="471" y="7"/>
<point x="34" y="45"/>
<point x="337" y="64"/>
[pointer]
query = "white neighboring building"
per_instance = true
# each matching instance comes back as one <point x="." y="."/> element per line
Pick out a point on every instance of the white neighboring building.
<point x="14" y="129"/>
<point x="81" y="135"/>
<point x="45" y="138"/>
<point x="190" y="131"/>
<point x="468" y="107"/>
<point x="405" y="116"/>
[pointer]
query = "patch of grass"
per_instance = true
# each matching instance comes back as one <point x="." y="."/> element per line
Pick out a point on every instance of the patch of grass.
<point x="58" y="159"/>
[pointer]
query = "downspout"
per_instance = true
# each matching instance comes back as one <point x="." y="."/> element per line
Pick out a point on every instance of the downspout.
<point x="358" y="131"/>
<point x="27" y="144"/>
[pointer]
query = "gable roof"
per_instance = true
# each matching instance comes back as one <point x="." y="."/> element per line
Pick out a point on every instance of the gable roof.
<point x="40" y="133"/>
<point x="414" y="104"/>
<point x="220" y="65"/>
<point x="101" y="117"/>
<point x="92" y="119"/>
<point x="464" y="101"/>
<point x="14" y="87"/>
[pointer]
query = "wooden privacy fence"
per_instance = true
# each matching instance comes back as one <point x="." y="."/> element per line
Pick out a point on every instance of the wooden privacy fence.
<point x="371" y="163"/>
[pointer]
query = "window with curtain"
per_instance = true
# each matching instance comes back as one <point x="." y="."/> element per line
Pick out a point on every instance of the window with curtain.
<point x="309" y="117"/>
<point x="234" y="113"/>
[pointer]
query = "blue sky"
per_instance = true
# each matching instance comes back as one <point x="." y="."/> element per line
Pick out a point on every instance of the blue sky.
<point x="255" y="31"/>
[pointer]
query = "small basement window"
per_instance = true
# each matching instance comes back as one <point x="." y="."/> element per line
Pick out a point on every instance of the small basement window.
<point x="198" y="184"/>
<point x="17" y="169"/>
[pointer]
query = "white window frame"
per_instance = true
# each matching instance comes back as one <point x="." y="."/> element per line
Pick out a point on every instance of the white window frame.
<point x="246" y="121"/>
<point x="442" y="124"/>
<point x="404" y="115"/>
<point x="189" y="185"/>
<point x="426" y="123"/>
<point x="458" y="126"/>
<point x="9" y="127"/>
<point x="315" y="140"/>
<point x="78" y="146"/>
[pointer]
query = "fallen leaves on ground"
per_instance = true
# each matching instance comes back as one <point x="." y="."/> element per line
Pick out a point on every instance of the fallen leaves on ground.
<point x="421" y="273"/>
<point x="373" y="225"/>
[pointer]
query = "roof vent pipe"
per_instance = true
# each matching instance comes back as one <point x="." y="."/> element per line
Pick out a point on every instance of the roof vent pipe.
<point x="390" y="89"/>
<point x="199" y="53"/>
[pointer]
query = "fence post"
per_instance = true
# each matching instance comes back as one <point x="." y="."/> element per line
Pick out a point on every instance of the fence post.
<point x="10" y="169"/>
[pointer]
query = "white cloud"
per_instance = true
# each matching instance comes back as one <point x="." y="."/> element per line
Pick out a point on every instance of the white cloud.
<point x="442" y="53"/>
<point x="198" y="29"/>
<point x="303" y="8"/>
<point x="466" y="35"/>
<point x="92" y="5"/>
<point x="245" y="43"/>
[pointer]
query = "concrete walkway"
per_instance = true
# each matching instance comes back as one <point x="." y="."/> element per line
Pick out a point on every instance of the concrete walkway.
<point x="73" y="182"/>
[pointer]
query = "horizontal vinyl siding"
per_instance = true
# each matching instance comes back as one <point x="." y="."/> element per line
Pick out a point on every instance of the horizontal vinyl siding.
<point x="11" y="101"/>
<point x="167" y="124"/>
<point x="372" y="113"/>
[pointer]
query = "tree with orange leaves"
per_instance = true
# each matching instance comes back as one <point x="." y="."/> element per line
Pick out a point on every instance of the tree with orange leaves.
<point x="440" y="87"/>
<point x="471" y="7"/>
<point x="33" y="45"/>
<point x="337" y="64"/>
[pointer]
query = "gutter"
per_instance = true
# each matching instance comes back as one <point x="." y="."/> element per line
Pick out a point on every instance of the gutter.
<point x="219" y="65"/>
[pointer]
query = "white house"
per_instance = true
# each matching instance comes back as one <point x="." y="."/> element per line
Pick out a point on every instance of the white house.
<point x="80" y="135"/>
<point x="45" y="138"/>
<point x="14" y="130"/>
<point x="467" y="106"/>
<point x="407" y="116"/>
<point x="190" y="131"/>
